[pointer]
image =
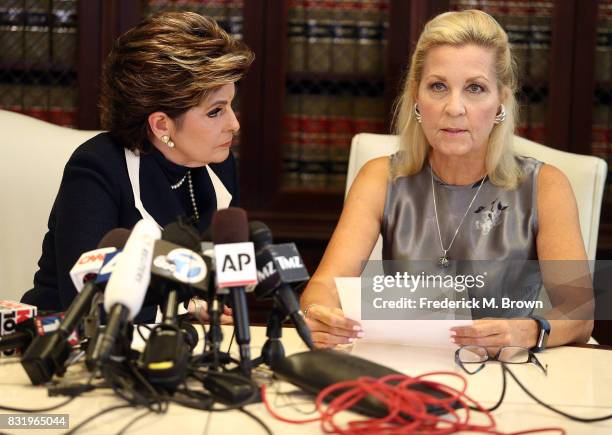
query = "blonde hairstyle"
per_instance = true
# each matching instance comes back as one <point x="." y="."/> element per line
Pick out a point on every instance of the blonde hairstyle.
<point x="460" y="29"/>
<point x="167" y="63"/>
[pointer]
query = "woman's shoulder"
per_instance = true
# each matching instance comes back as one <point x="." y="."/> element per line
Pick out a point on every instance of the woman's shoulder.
<point x="375" y="170"/>
<point x="528" y="164"/>
<point x="101" y="150"/>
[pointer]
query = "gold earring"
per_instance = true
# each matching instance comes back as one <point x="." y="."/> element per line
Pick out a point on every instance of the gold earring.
<point x="166" y="139"/>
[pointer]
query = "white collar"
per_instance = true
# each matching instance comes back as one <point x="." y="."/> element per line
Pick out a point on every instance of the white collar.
<point x="132" y="160"/>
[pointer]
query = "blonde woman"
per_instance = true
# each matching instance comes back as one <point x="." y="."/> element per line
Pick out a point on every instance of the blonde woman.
<point x="455" y="190"/>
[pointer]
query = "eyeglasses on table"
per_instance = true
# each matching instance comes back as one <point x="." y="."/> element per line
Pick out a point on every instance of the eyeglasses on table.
<point x="473" y="358"/>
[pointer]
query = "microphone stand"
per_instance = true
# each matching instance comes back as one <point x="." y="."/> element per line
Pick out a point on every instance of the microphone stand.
<point x="214" y="335"/>
<point x="273" y="351"/>
<point x="242" y="328"/>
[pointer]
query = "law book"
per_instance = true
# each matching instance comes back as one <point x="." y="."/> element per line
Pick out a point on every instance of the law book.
<point x="12" y="25"/>
<point x="345" y="41"/>
<point x="319" y="35"/>
<point x="37" y="40"/>
<point x="539" y="39"/>
<point x="296" y="36"/>
<point x="291" y="141"/>
<point x="314" y="125"/>
<point x="64" y="34"/>
<point x="370" y="33"/>
<point x="515" y="21"/>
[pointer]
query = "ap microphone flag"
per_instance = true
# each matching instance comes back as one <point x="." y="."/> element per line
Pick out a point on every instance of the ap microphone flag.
<point x="235" y="264"/>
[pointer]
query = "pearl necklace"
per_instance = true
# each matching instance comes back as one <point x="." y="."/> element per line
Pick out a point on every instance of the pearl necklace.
<point x="196" y="213"/>
<point x="187" y="176"/>
<point x="180" y="182"/>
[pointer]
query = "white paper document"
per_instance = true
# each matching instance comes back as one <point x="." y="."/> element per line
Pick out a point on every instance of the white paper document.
<point x="430" y="333"/>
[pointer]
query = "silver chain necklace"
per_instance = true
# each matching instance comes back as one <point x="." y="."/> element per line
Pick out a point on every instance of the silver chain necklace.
<point x="443" y="260"/>
<point x="187" y="176"/>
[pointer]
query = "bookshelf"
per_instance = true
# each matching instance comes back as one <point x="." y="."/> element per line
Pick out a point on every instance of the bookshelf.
<point x="324" y="70"/>
<point x="38" y="70"/>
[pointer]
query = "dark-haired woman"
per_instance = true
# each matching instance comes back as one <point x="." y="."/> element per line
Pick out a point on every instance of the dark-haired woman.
<point x="167" y="90"/>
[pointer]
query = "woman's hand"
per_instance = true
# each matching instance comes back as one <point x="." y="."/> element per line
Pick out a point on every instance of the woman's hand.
<point x="198" y="308"/>
<point x="495" y="333"/>
<point x="329" y="326"/>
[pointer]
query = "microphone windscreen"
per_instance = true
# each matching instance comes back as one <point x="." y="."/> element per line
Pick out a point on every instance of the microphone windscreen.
<point x="115" y="238"/>
<point x="260" y="234"/>
<point x="230" y="225"/>
<point x="207" y="235"/>
<point x="182" y="234"/>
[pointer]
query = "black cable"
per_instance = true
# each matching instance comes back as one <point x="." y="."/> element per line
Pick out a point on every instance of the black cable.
<point x="140" y="332"/>
<point x="93" y="417"/>
<point x="50" y="408"/>
<point x="549" y="407"/>
<point x="207" y="426"/>
<point x="501" y="397"/>
<point x="132" y="421"/>
<point x="257" y="419"/>
<point x="231" y="342"/>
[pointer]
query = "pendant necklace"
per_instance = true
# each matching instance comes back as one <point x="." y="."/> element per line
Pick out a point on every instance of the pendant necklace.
<point x="443" y="261"/>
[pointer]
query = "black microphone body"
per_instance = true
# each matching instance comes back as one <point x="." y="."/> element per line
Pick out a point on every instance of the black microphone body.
<point x="230" y="228"/>
<point x="166" y="354"/>
<point x="48" y="353"/>
<point x="279" y="266"/>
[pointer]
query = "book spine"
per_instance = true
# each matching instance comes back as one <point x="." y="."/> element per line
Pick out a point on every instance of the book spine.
<point x="319" y="35"/>
<point x="292" y="141"/>
<point x="296" y="44"/>
<point x="345" y="46"/>
<point x="64" y="34"/>
<point x="12" y="26"/>
<point x="539" y="38"/>
<point x="314" y="150"/>
<point x="370" y="38"/>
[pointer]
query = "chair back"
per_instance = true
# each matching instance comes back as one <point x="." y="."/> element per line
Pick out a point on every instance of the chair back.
<point x="586" y="174"/>
<point x="33" y="160"/>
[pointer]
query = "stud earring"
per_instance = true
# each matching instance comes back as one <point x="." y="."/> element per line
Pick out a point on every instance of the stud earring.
<point x="166" y="139"/>
<point x="501" y="116"/>
<point x="417" y="114"/>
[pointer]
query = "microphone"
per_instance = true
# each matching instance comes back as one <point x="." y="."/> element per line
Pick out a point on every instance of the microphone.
<point x="164" y="359"/>
<point x="87" y="266"/>
<point x="235" y="269"/>
<point x="278" y="266"/>
<point x="127" y="286"/>
<point x="27" y="330"/>
<point x="46" y="354"/>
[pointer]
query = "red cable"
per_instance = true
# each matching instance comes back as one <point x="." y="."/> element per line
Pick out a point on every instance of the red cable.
<point x="407" y="407"/>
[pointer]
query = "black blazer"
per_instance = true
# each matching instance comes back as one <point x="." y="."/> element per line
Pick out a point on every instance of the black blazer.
<point x="96" y="196"/>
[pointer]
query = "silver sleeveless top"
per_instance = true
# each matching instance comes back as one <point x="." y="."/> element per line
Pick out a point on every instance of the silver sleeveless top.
<point x="501" y="226"/>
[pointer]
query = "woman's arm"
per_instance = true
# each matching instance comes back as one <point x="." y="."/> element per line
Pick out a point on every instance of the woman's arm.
<point x="86" y="208"/>
<point x="563" y="258"/>
<point x="563" y="261"/>
<point x="350" y="245"/>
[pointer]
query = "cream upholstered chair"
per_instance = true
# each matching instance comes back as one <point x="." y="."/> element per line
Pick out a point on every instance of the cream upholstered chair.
<point x="587" y="175"/>
<point x="33" y="160"/>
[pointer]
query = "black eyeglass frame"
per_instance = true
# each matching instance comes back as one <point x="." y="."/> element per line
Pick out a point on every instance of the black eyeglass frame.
<point x="532" y="359"/>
